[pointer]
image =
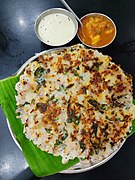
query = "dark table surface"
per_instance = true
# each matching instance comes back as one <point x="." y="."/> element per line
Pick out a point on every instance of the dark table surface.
<point x="18" y="42"/>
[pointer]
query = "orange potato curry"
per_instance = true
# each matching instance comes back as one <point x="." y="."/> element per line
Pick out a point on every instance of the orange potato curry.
<point x="98" y="30"/>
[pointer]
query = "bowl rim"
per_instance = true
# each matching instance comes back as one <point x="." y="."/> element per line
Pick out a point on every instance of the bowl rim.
<point x="50" y="11"/>
<point x="98" y="13"/>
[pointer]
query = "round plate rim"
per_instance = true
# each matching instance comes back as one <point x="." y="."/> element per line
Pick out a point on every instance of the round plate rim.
<point x="67" y="171"/>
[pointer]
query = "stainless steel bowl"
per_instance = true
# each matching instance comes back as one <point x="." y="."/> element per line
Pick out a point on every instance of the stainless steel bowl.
<point x="51" y="11"/>
<point x="91" y="14"/>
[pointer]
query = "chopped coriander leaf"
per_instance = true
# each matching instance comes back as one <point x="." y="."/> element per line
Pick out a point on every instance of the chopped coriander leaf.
<point x="95" y="128"/>
<point x="64" y="73"/>
<point x="79" y="116"/>
<point x="56" y="119"/>
<point x="100" y="110"/>
<point x="97" y="150"/>
<point x="39" y="72"/>
<point x="61" y="88"/>
<point x="56" y="100"/>
<point x="51" y="98"/>
<point x="32" y="101"/>
<point x="40" y="80"/>
<point x="119" y="119"/>
<point x="97" y="105"/>
<point x="57" y="142"/>
<point x="93" y="102"/>
<point x="82" y="145"/>
<point x="97" y="65"/>
<point x="76" y="74"/>
<point x="26" y="103"/>
<point x="69" y="120"/>
<point x="96" y="68"/>
<point x="106" y="117"/>
<point x="77" y="121"/>
<point x="64" y="137"/>
<point x="65" y="134"/>
<point x="103" y="106"/>
<point x="48" y="130"/>
<point x="91" y="152"/>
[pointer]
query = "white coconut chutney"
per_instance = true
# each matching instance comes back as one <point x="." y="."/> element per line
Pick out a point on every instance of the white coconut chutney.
<point x="56" y="29"/>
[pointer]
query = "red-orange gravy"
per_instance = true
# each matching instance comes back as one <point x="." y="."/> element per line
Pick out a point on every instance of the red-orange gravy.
<point x="97" y="30"/>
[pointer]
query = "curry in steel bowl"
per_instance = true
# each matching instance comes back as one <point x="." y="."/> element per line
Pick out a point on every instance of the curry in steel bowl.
<point x="98" y="30"/>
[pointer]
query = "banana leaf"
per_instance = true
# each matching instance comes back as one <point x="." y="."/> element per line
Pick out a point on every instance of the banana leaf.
<point x="133" y="124"/>
<point x="41" y="163"/>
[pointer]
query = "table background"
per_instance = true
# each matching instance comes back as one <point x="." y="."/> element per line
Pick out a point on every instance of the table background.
<point x="18" y="42"/>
